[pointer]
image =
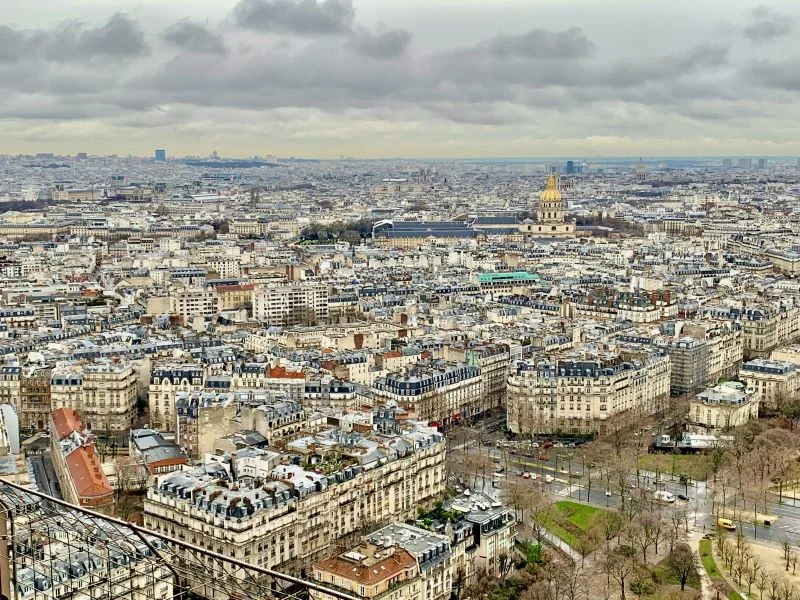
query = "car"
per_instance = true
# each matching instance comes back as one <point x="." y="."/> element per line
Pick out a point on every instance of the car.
<point x="683" y="497"/>
<point x="549" y="478"/>
<point x="608" y="493"/>
<point x="526" y="475"/>
<point x="535" y="445"/>
<point x="547" y="445"/>
<point x="500" y="469"/>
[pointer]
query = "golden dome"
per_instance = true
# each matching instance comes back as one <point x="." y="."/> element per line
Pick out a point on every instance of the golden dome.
<point x="551" y="192"/>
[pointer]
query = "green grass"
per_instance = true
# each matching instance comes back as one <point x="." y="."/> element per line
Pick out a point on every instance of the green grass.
<point x="571" y="520"/>
<point x="557" y="530"/>
<point x="695" y="466"/>
<point x="711" y="568"/>
<point x="579" y="515"/>
<point x="708" y="560"/>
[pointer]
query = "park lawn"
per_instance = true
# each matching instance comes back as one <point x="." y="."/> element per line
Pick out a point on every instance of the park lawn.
<point x="557" y="530"/>
<point x="571" y="520"/>
<point x="580" y="515"/>
<point x="708" y="560"/>
<point x="711" y="568"/>
<point x="695" y="466"/>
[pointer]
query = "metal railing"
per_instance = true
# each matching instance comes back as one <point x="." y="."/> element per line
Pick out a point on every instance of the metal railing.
<point x="52" y="549"/>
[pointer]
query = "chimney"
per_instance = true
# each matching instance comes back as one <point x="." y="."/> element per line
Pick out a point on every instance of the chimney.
<point x="233" y="466"/>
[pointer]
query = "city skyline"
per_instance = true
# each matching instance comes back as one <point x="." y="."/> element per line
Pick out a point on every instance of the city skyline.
<point x="373" y="79"/>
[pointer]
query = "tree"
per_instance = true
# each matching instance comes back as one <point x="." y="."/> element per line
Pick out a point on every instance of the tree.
<point x="619" y="566"/>
<point x="642" y="534"/>
<point x="611" y="525"/>
<point x="762" y="582"/>
<point x="752" y="575"/>
<point x="786" y="546"/>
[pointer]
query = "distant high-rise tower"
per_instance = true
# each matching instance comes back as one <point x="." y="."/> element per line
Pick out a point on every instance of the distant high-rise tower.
<point x="745" y="163"/>
<point x="570" y="167"/>
<point x="727" y="163"/>
<point x="762" y="163"/>
<point x="161" y="155"/>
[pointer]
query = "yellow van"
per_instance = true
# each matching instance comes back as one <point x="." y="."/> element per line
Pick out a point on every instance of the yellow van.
<point x="726" y="524"/>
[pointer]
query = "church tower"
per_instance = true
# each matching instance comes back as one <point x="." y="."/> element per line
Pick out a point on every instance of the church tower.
<point x="551" y="205"/>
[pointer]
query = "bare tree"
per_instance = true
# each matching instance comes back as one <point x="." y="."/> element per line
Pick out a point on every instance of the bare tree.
<point x="641" y="534"/>
<point x="620" y="568"/>
<point x="682" y="562"/>
<point x="786" y="546"/>
<point x="762" y="582"/>
<point x="751" y="576"/>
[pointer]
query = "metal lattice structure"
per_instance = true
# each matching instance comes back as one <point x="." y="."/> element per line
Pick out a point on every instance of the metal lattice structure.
<point x="52" y="549"/>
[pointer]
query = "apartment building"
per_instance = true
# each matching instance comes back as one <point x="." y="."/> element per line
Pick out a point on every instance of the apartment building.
<point x="10" y="385"/>
<point x="439" y="393"/>
<point x="690" y="365"/>
<point x="370" y="571"/>
<point x="294" y="303"/>
<point x="252" y="375"/>
<point x="483" y="534"/>
<point x="771" y="380"/>
<point x="764" y="328"/>
<point x="327" y="392"/>
<point x="725" y="347"/>
<point x="579" y="396"/>
<point x="77" y="464"/>
<point x="291" y="519"/>
<point x="429" y="576"/>
<point x="35" y="402"/>
<point x="167" y="379"/>
<point x="235" y="296"/>
<point x="722" y="407"/>
<point x="103" y="393"/>
<point x="192" y="303"/>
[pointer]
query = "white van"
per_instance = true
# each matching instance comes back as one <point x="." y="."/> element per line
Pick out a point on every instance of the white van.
<point x="664" y="496"/>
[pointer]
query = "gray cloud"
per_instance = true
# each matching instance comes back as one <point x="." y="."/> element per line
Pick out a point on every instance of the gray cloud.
<point x="12" y="44"/>
<point x="320" y="73"/>
<point x="120" y="37"/>
<point x="767" y="25"/>
<point x="382" y="44"/>
<point x="302" y="17"/>
<point x="544" y="44"/>
<point x="194" y="37"/>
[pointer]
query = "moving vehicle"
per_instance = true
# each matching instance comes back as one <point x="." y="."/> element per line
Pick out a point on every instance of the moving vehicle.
<point x="664" y="496"/>
<point x="726" y="524"/>
<point x="608" y="493"/>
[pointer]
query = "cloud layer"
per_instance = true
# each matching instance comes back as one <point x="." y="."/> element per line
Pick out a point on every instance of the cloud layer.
<point x="323" y="78"/>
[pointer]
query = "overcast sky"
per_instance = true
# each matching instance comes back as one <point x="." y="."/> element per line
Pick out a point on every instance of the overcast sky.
<point x="388" y="78"/>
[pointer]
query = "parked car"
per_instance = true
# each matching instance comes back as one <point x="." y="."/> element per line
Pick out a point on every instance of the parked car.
<point x="526" y="475"/>
<point x="608" y="493"/>
<point x="549" y="478"/>
<point x="683" y="497"/>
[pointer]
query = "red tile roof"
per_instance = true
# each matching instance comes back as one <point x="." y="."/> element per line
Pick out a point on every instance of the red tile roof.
<point x="282" y="373"/>
<point x="83" y="465"/>
<point x="66" y="421"/>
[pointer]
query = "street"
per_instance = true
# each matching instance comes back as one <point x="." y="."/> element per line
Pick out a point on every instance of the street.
<point x="698" y="506"/>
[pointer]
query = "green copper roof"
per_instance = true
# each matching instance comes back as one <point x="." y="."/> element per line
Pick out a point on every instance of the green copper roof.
<point x="509" y="276"/>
